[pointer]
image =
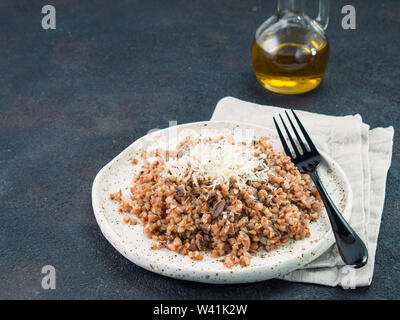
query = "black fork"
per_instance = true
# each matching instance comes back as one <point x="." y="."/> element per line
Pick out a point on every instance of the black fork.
<point x="351" y="248"/>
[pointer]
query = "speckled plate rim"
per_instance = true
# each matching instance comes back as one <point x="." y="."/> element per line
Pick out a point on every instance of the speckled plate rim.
<point x="246" y="275"/>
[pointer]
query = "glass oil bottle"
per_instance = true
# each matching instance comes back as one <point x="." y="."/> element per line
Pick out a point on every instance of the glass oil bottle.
<point x="290" y="50"/>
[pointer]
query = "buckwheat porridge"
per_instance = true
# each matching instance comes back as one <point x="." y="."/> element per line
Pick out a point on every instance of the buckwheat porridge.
<point x="231" y="199"/>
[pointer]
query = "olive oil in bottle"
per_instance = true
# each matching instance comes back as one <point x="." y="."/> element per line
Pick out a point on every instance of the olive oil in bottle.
<point x="290" y="60"/>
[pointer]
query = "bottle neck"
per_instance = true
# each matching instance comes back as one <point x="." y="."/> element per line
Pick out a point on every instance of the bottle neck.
<point x="287" y="6"/>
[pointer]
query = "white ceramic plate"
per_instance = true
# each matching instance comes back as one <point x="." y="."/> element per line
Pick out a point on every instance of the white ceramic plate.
<point x="130" y="241"/>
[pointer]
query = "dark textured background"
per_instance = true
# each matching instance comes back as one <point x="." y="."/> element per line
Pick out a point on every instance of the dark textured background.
<point x="73" y="98"/>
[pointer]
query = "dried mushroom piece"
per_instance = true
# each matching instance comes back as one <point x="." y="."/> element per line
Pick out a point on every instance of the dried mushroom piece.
<point x="218" y="208"/>
<point x="180" y="192"/>
<point x="201" y="244"/>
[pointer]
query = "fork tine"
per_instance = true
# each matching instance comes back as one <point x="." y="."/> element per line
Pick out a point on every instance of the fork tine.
<point x="305" y="134"/>
<point x="283" y="141"/>
<point x="303" y="147"/>
<point x="296" y="151"/>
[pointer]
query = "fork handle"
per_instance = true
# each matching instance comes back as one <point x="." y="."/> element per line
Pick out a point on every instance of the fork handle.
<point x="351" y="248"/>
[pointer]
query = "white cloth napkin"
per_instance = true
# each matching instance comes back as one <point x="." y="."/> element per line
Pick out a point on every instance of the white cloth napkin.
<point x="354" y="146"/>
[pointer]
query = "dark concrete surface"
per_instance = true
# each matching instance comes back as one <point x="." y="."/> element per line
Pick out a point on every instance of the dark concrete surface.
<point x="73" y="98"/>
